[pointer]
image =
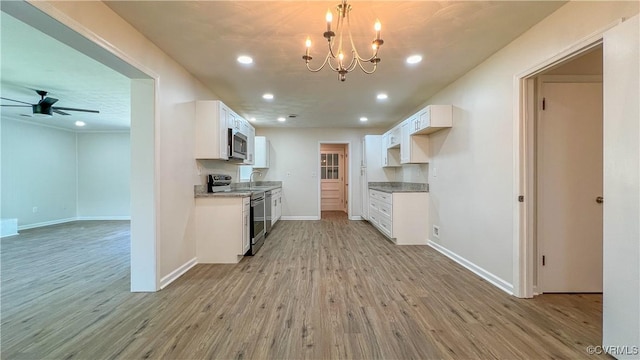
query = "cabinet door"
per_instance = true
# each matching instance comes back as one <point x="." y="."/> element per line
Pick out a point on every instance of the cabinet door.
<point x="246" y="229"/>
<point x="250" y="132"/>
<point x="405" y="145"/>
<point x="424" y="119"/>
<point x="261" y="152"/>
<point x="383" y="148"/>
<point x="274" y="210"/>
<point x="279" y="206"/>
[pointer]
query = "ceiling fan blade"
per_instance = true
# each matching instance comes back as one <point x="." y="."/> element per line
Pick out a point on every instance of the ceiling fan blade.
<point x="17" y="105"/>
<point x="48" y="101"/>
<point x="55" y="110"/>
<point x="72" y="109"/>
<point x="18" y="101"/>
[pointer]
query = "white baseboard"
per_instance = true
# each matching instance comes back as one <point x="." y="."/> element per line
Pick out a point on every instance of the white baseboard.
<point x="79" y="218"/>
<point x="299" y="218"/>
<point x="491" y="278"/>
<point x="46" y="223"/>
<point x="103" y="218"/>
<point x="165" y="281"/>
<point x="356" y="218"/>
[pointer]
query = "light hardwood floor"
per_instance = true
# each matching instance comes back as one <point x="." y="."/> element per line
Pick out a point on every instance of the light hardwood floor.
<point x="327" y="289"/>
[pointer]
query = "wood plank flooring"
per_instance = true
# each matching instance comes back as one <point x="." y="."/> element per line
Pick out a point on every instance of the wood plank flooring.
<point x="328" y="289"/>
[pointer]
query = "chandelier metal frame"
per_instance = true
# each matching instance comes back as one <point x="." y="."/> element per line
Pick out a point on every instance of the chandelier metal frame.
<point x="335" y="59"/>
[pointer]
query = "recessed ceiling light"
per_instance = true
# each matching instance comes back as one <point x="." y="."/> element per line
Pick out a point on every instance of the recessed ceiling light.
<point x="363" y="119"/>
<point x="244" y="59"/>
<point x="252" y="119"/>
<point x="281" y="119"/>
<point x="414" y="59"/>
<point x="80" y="123"/>
<point x="382" y="96"/>
<point x="267" y="96"/>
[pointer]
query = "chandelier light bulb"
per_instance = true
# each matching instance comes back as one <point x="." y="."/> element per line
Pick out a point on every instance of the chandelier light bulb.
<point x="308" y="43"/>
<point x="329" y="16"/>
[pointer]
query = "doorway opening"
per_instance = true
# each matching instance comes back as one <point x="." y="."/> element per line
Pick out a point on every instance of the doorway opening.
<point x="568" y="173"/>
<point x="144" y="264"/>
<point x="333" y="179"/>
<point x="562" y="154"/>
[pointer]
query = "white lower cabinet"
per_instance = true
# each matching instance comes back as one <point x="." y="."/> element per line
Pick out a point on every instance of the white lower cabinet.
<point x="400" y="216"/>
<point x="222" y="229"/>
<point x="276" y="205"/>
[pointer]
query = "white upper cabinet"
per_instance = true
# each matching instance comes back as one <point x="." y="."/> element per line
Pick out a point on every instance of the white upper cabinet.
<point x="250" y="132"/>
<point x="211" y="130"/>
<point x="413" y="149"/>
<point x="261" y="152"/>
<point x="390" y="157"/>
<point x="393" y="137"/>
<point x="431" y="119"/>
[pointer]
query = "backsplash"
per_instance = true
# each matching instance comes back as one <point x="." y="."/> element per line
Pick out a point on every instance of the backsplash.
<point x="207" y="167"/>
<point x="413" y="173"/>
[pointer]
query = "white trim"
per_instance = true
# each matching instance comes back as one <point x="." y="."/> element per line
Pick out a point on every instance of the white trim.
<point x="172" y="276"/>
<point x="283" y="217"/>
<point x="103" y="218"/>
<point x="79" y="218"/>
<point x="522" y="233"/>
<point x="356" y="218"/>
<point x="491" y="278"/>
<point x="8" y="235"/>
<point x="46" y="223"/>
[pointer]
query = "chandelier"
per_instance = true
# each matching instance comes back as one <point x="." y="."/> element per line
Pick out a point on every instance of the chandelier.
<point x="336" y="58"/>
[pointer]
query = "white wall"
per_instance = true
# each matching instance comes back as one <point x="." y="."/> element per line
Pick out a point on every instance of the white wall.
<point x="175" y="168"/>
<point x="66" y="175"/>
<point x="38" y="170"/>
<point x="104" y="169"/>
<point x="294" y="160"/>
<point x="472" y="196"/>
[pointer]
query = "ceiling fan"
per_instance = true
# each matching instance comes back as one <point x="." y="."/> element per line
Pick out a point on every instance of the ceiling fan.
<point x="45" y="105"/>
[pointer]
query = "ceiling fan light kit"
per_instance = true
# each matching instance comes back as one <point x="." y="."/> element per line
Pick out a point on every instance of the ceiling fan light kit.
<point x="336" y="59"/>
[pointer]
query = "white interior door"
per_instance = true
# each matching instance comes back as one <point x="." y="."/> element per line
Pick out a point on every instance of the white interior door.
<point x="332" y="180"/>
<point x="569" y="179"/>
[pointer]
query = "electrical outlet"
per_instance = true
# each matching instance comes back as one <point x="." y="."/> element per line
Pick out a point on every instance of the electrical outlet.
<point x="436" y="231"/>
<point x="35" y="209"/>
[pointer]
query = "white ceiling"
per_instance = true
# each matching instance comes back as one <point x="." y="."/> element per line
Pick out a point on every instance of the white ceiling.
<point x="32" y="60"/>
<point x="207" y="36"/>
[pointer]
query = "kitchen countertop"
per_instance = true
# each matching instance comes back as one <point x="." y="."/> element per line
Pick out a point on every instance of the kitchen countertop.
<point x="391" y="187"/>
<point x="237" y="189"/>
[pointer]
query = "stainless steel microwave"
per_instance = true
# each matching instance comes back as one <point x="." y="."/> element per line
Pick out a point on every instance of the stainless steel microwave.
<point x="237" y="145"/>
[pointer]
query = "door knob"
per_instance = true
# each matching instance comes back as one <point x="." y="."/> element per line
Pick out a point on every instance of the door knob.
<point x="599" y="199"/>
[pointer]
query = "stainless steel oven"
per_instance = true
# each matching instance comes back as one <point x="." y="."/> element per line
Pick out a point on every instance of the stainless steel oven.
<point x="257" y="222"/>
<point x="237" y="145"/>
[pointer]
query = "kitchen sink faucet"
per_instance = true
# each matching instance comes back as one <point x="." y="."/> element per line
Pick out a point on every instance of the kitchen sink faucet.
<point x="251" y="176"/>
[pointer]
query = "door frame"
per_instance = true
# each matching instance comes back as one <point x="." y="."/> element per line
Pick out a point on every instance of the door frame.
<point x="523" y="159"/>
<point x="348" y="173"/>
<point x="538" y="287"/>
